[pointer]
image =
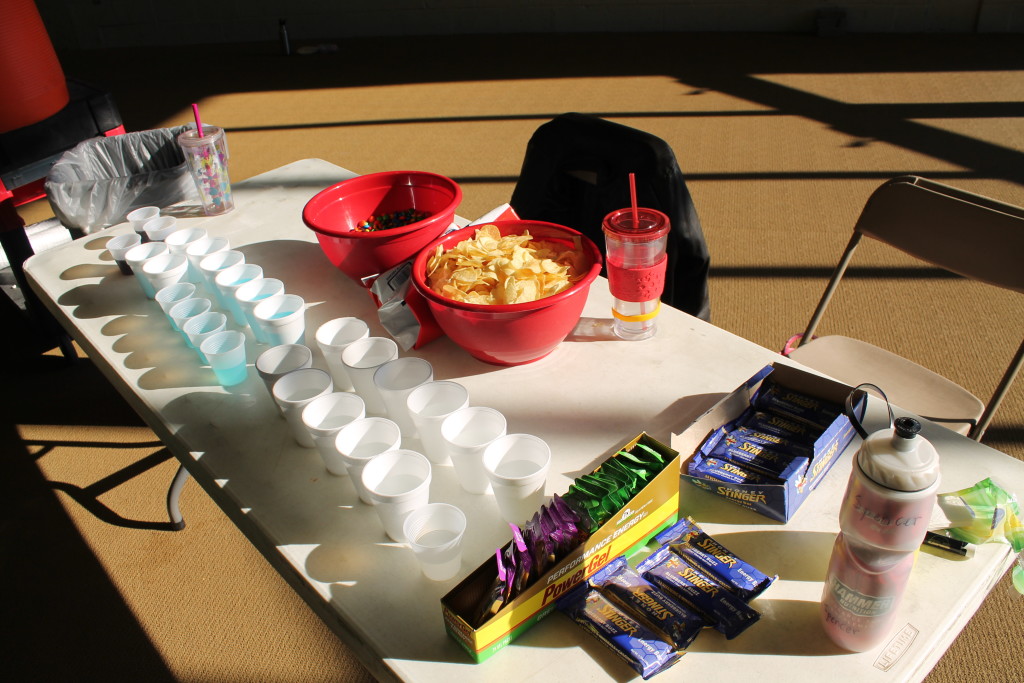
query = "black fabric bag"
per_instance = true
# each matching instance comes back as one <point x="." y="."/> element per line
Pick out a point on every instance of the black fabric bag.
<point x="576" y="171"/>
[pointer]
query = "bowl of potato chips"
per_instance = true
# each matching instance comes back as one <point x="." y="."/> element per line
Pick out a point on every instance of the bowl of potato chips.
<point x="507" y="292"/>
<point x="370" y="223"/>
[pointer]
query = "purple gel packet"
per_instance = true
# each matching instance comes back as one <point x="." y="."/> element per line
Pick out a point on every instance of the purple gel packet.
<point x="644" y="650"/>
<point x="680" y="579"/>
<point x="621" y="582"/>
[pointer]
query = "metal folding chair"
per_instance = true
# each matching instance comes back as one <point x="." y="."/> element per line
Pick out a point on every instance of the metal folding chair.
<point x="968" y="234"/>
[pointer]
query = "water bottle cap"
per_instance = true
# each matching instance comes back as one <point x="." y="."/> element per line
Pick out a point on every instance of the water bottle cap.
<point x="899" y="458"/>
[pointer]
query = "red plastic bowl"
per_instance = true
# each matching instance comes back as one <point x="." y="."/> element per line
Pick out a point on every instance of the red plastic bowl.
<point x="334" y="213"/>
<point x="510" y="334"/>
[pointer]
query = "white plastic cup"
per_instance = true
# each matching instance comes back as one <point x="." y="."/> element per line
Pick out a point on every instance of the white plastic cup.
<point x="360" y="441"/>
<point x="428" y="405"/>
<point x="282" y="318"/>
<point x="200" y="327"/>
<point x="324" y="417"/>
<point x="157" y="229"/>
<point x="213" y="264"/>
<point x="435" y="532"/>
<point x="250" y="294"/>
<point x="296" y="390"/>
<point x="229" y="280"/>
<point x="395" y="380"/>
<point x="119" y="245"/>
<point x="183" y="311"/>
<point x="517" y="466"/>
<point x="398" y="482"/>
<point x="136" y="258"/>
<point x="467" y="433"/>
<point x="139" y="217"/>
<point x="170" y="295"/>
<point x="333" y="337"/>
<point x="181" y="239"/>
<point x="225" y="351"/>
<point x="361" y="359"/>
<point x="200" y="249"/>
<point x="278" y="361"/>
<point x="165" y="269"/>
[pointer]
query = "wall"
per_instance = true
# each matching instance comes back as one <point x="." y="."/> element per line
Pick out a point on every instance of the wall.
<point x="123" y="23"/>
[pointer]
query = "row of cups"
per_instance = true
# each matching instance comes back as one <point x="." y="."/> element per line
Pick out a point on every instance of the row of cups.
<point x="360" y="433"/>
<point x="201" y="283"/>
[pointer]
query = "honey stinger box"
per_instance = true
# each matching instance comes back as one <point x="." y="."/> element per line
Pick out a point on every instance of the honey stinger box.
<point x="777" y="501"/>
<point x="652" y="509"/>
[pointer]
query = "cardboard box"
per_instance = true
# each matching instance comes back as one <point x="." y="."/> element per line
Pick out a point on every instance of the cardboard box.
<point x="652" y="509"/>
<point x="778" y="501"/>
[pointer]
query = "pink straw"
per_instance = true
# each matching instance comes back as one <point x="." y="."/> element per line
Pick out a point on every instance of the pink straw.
<point x="199" y="122"/>
<point x="632" y="199"/>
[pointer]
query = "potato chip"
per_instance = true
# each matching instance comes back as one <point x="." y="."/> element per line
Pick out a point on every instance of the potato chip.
<point x="495" y="269"/>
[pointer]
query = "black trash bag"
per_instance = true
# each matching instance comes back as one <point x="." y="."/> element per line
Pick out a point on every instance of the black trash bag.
<point x="99" y="181"/>
<point x="576" y="171"/>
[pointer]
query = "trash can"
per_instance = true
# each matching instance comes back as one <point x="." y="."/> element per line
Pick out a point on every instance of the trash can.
<point x="99" y="181"/>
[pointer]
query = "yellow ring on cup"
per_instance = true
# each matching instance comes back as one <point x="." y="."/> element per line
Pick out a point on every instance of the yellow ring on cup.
<point x="638" y="318"/>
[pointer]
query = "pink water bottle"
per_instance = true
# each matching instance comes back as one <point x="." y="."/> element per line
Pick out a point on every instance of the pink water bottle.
<point x="883" y="521"/>
<point x="635" y="242"/>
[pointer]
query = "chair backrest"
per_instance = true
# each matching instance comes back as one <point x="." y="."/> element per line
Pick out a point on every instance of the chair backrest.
<point x="576" y="171"/>
<point x="966" y="233"/>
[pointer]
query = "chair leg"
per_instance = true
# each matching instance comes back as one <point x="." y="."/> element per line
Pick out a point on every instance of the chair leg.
<point x="173" y="495"/>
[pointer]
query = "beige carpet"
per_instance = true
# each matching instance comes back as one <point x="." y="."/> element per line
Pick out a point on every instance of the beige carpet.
<point x="782" y="139"/>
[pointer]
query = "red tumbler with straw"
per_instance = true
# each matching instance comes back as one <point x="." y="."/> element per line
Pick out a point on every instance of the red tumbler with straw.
<point x="635" y="240"/>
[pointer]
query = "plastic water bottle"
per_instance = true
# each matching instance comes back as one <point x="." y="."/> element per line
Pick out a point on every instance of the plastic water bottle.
<point x="883" y="521"/>
<point x="636" y="262"/>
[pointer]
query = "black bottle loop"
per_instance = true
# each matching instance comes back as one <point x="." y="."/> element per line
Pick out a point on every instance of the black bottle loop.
<point x="854" y="396"/>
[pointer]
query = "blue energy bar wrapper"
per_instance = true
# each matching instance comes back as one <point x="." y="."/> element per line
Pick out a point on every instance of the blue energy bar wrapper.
<point x="624" y="585"/>
<point x="775" y="398"/>
<point x="717" y="469"/>
<point x="690" y="542"/>
<point x="780" y="425"/>
<point x="733" y="446"/>
<point x="639" y="646"/>
<point x="680" y="579"/>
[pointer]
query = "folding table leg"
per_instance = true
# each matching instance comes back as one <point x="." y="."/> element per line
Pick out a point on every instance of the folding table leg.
<point x="173" y="494"/>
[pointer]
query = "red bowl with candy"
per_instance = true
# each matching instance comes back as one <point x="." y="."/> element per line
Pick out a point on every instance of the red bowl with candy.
<point x="517" y="333"/>
<point x="370" y="223"/>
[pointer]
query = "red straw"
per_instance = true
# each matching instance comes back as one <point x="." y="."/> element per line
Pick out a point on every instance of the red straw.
<point x="632" y="199"/>
<point x="199" y="123"/>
